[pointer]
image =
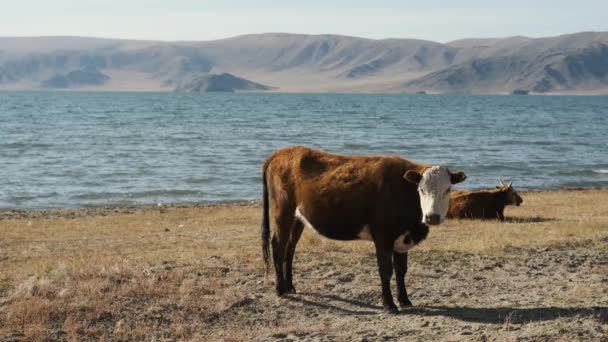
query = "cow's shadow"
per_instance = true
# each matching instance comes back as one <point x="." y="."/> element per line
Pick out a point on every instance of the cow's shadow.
<point x="336" y="304"/>
<point x="497" y="315"/>
<point x="530" y="219"/>
<point x="512" y="315"/>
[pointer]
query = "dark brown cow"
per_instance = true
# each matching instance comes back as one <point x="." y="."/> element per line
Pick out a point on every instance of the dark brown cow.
<point x="483" y="204"/>
<point x="378" y="198"/>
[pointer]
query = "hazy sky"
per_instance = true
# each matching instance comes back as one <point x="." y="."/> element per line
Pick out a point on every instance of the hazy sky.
<point x="206" y="19"/>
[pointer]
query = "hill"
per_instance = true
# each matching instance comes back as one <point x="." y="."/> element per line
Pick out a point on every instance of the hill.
<point x="574" y="63"/>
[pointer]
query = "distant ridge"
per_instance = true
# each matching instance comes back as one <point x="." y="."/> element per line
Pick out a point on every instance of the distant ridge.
<point x="571" y="64"/>
<point x="76" y="78"/>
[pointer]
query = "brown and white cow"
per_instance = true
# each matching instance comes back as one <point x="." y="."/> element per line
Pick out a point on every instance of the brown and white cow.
<point x="483" y="204"/>
<point x="384" y="199"/>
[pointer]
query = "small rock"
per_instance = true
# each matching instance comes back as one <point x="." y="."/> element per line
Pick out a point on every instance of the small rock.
<point x="329" y="274"/>
<point x="104" y="316"/>
<point x="347" y="278"/>
<point x="165" y="265"/>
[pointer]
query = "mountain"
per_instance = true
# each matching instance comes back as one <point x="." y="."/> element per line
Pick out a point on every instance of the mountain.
<point x="221" y="83"/>
<point x="575" y="63"/>
<point x="571" y="63"/>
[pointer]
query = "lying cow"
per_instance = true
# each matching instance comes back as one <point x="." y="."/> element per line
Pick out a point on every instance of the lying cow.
<point x="384" y="199"/>
<point x="483" y="204"/>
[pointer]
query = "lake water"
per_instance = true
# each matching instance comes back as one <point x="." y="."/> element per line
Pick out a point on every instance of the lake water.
<point x="74" y="149"/>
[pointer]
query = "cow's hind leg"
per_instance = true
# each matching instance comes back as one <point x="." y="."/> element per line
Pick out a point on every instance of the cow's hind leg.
<point x="400" y="265"/>
<point x="280" y="244"/>
<point x="278" y="257"/>
<point x="296" y="232"/>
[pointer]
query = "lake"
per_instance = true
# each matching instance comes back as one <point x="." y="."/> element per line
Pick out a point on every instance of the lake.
<point x="75" y="149"/>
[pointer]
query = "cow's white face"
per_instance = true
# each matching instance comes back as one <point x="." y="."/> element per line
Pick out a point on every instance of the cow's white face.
<point x="434" y="187"/>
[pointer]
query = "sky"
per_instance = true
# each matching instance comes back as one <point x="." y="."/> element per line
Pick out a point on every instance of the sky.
<point x="435" y="20"/>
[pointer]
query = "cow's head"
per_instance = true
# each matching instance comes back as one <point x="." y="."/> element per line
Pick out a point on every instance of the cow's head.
<point x="434" y="187"/>
<point x="512" y="197"/>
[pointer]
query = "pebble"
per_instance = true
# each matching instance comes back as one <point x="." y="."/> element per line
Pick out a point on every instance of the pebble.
<point x="329" y="274"/>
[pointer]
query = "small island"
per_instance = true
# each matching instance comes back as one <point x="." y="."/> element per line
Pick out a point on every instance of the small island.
<point x="221" y="83"/>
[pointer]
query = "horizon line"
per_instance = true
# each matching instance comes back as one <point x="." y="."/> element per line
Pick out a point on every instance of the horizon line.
<point x="288" y="33"/>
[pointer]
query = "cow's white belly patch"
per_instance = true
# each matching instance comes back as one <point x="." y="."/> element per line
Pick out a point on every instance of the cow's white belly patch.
<point x="304" y="220"/>
<point x="365" y="233"/>
<point x="400" y="246"/>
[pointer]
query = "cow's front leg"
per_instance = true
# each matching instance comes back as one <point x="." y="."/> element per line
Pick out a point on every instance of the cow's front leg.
<point x="400" y="264"/>
<point x="501" y="215"/>
<point x="385" y="266"/>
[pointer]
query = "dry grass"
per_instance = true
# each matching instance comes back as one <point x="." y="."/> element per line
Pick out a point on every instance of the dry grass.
<point x="171" y="273"/>
<point x="545" y="218"/>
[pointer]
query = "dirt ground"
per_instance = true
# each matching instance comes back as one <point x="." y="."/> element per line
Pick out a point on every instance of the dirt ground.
<point x="195" y="273"/>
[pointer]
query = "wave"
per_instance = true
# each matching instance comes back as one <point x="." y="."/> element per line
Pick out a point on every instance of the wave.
<point x="601" y="171"/>
<point x="136" y="195"/>
<point x="355" y="146"/>
<point x="19" y="145"/>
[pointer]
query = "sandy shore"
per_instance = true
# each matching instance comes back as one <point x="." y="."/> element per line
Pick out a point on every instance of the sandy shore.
<point x="195" y="273"/>
<point x="14" y="214"/>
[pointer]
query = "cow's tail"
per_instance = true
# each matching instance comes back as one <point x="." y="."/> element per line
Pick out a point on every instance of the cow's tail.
<point x="265" y="220"/>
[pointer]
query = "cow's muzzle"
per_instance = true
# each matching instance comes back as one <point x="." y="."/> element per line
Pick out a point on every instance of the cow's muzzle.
<point x="432" y="219"/>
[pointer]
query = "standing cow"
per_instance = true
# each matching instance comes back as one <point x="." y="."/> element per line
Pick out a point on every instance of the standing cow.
<point x="483" y="204"/>
<point x="388" y="200"/>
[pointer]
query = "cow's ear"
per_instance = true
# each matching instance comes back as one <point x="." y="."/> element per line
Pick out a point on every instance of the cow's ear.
<point x="412" y="177"/>
<point x="457" y="177"/>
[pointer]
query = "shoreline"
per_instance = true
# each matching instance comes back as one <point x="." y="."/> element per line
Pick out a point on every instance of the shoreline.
<point x="107" y="210"/>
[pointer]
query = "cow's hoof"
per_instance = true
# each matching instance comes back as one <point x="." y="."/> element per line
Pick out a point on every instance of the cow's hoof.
<point x="291" y="290"/>
<point x="281" y="292"/>
<point x="405" y="303"/>
<point x="391" y="310"/>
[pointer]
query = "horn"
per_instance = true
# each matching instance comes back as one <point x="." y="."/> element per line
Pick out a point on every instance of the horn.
<point x="501" y="182"/>
<point x="510" y="183"/>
